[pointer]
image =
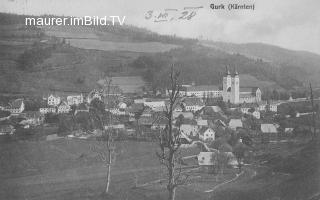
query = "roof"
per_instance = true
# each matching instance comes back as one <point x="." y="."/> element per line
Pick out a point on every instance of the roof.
<point x="268" y="128"/>
<point x="146" y="121"/>
<point x="6" y="128"/>
<point x="251" y="90"/>
<point x="235" y="123"/>
<point x="193" y="102"/>
<point x="202" y="88"/>
<point x="16" y="103"/>
<point x="203" y="130"/>
<point x="202" y="122"/>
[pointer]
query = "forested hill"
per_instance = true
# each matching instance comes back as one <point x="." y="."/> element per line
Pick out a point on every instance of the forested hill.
<point x="301" y="65"/>
<point x="42" y="59"/>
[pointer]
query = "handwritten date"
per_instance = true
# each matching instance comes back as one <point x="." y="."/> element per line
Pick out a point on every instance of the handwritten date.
<point x="169" y="14"/>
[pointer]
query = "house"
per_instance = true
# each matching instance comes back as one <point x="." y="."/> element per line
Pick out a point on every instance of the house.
<point x="146" y="121"/>
<point x="262" y="106"/>
<point x="74" y="99"/>
<point x="48" y="109"/>
<point x="122" y="105"/>
<point x="189" y="129"/>
<point x="256" y="114"/>
<point x="206" y="134"/>
<point x="17" y="106"/>
<point x="268" y="128"/>
<point x="235" y="123"/>
<point x="288" y="130"/>
<point x="63" y="107"/>
<point x="54" y="100"/>
<point x="177" y="108"/>
<point x="147" y="112"/>
<point x="207" y="159"/>
<point x="94" y="94"/>
<point x="160" y="123"/>
<point x="34" y="117"/>
<point x="273" y="107"/>
<point x="193" y="104"/>
<point x="202" y="123"/>
<point x="155" y="104"/>
<point x="6" y="129"/>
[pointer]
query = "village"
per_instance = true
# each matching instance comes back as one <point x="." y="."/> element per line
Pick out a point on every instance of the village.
<point x="204" y="113"/>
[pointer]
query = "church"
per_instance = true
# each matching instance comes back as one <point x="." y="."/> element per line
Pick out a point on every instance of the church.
<point x="233" y="93"/>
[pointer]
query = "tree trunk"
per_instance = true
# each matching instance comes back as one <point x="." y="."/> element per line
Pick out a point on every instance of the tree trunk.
<point x="108" y="172"/>
<point x="172" y="193"/>
<point x="108" y="179"/>
<point x="171" y="185"/>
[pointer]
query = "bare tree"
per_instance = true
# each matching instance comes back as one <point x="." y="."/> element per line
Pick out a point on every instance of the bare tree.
<point x="169" y="140"/>
<point x="106" y="149"/>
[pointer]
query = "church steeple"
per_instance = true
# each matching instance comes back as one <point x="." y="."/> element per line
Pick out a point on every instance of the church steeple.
<point x="227" y="71"/>
<point x="236" y="72"/>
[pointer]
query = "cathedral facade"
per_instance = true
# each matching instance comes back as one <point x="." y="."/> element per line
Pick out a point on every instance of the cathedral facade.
<point x="233" y="93"/>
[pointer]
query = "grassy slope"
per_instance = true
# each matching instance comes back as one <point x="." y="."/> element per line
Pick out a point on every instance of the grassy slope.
<point x="296" y="176"/>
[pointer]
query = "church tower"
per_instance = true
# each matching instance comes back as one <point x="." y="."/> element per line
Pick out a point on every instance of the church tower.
<point x="226" y="86"/>
<point x="235" y="88"/>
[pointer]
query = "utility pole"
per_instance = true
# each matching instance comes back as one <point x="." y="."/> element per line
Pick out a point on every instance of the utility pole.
<point x="313" y="113"/>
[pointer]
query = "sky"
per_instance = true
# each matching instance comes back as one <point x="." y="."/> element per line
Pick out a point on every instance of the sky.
<point x="292" y="24"/>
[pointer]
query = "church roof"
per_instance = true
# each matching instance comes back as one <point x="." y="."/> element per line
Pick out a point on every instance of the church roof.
<point x="251" y="90"/>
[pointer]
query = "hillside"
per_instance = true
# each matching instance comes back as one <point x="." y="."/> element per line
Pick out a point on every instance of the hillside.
<point x="301" y="65"/>
<point x="39" y="60"/>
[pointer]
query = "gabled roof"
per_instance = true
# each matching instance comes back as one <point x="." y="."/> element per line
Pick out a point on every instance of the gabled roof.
<point x="268" y="128"/>
<point x="203" y="130"/>
<point x="193" y="102"/>
<point x="16" y="103"/>
<point x="235" y="123"/>
<point x="251" y="90"/>
<point x="63" y="103"/>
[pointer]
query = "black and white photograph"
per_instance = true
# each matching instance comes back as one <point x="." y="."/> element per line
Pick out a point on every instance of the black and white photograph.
<point x="159" y="100"/>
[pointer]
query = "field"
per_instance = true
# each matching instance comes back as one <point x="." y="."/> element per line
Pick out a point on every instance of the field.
<point x="147" y="47"/>
<point x="67" y="169"/>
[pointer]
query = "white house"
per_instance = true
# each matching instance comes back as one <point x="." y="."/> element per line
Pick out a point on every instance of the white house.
<point x="207" y="158"/>
<point x="202" y="122"/>
<point x="16" y="107"/>
<point x="54" y="100"/>
<point x="75" y="99"/>
<point x="189" y="129"/>
<point x="94" y="94"/>
<point x="156" y="105"/>
<point x="268" y="128"/>
<point x="256" y="114"/>
<point x="48" y="109"/>
<point x="122" y="105"/>
<point x="273" y="107"/>
<point x="63" y="108"/>
<point x="206" y="134"/>
<point x="193" y="104"/>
